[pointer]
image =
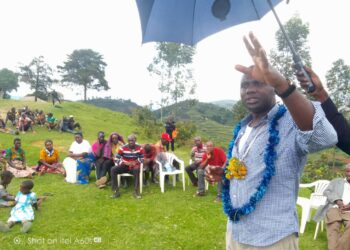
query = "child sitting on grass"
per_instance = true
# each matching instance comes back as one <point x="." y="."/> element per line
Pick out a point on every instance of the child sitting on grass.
<point x="23" y="211"/>
<point x="6" y="200"/>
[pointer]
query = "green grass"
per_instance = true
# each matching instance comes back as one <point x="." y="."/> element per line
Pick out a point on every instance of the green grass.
<point x="78" y="214"/>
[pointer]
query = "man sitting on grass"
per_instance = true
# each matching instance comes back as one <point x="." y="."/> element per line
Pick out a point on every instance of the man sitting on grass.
<point x="25" y="123"/>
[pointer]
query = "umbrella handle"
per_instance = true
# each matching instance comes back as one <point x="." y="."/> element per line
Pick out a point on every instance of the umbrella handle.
<point x="299" y="65"/>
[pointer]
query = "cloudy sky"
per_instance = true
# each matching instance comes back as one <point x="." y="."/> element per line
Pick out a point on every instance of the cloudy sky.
<point x="54" y="28"/>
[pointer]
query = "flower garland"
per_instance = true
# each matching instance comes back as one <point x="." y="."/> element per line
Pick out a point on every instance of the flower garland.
<point x="269" y="158"/>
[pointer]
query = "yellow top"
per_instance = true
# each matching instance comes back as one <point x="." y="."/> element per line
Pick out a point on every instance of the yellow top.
<point x="44" y="156"/>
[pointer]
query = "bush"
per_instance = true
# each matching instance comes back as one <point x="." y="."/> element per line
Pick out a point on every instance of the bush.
<point x="147" y="123"/>
<point x="186" y="131"/>
<point x="320" y="169"/>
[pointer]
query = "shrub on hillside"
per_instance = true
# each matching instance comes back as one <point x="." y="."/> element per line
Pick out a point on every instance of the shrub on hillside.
<point x="186" y="132"/>
<point x="147" y="123"/>
<point x="320" y="169"/>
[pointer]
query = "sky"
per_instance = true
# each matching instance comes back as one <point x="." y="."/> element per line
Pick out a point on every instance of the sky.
<point x="54" y="28"/>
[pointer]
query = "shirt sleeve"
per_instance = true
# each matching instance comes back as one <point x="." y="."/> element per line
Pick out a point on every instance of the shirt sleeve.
<point x="3" y="192"/>
<point x="94" y="147"/>
<point x="72" y="147"/>
<point x="320" y="137"/>
<point x="42" y="155"/>
<point x="8" y="153"/>
<point x="17" y="196"/>
<point x="339" y="123"/>
<point x="223" y="157"/>
<point x="34" y="198"/>
<point x="119" y="154"/>
<point x="141" y="155"/>
<point x="88" y="147"/>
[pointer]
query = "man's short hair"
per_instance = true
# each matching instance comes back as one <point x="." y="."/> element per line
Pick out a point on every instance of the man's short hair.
<point x="16" y="139"/>
<point x="197" y="138"/>
<point x="132" y="137"/>
<point x="6" y="175"/>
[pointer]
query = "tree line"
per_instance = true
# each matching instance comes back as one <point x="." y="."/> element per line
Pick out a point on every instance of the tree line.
<point x="84" y="68"/>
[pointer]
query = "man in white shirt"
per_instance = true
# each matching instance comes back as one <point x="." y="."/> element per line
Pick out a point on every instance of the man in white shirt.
<point x="337" y="212"/>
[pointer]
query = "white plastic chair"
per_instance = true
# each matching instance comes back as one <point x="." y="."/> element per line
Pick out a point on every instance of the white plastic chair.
<point x="162" y="173"/>
<point x="188" y="179"/>
<point x="316" y="200"/>
<point x="130" y="175"/>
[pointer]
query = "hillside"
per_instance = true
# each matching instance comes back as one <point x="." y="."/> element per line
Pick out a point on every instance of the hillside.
<point x="91" y="118"/>
<point x="119" y="105"/>
<point x="227" y="104"/>
<point x="213" y="122"/>
<point x="197" y="111"/>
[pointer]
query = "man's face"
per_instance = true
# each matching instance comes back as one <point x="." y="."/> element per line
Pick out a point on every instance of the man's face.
<point x="48" y="146"/>
<point x="210" y="148"/>
<point x="17" y="144"/>
<point x="257" y="97"/>
<point x="101" y="137"/>
<point x="78" y="138"/>
<point x="198" y="143"/>
<point x="132" y="142"/>
<point x="347" y="173"/>
<point x="164" y="142"/>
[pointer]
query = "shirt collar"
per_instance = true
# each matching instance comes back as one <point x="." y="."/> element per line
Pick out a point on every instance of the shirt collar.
<point x="268" y="117"/>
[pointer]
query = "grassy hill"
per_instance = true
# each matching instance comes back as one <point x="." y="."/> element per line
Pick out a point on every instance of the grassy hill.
<point x="213" y="122"/>
<point x="227" y="104"/>
<point x="82" y="216"/>
<point x="119" y="105"/>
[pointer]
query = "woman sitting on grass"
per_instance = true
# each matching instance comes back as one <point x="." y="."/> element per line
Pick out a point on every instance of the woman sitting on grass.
<point x="51" y="121"/>
<point x="6" y="200"/>
<point x="23" y="211"/>
<point x="16" y="161"/>
<point x="49" y="161"/>
<point x="78" y="163"/>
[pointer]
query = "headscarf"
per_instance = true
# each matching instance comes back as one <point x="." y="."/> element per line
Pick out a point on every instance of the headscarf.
<point x="107" y="152"/>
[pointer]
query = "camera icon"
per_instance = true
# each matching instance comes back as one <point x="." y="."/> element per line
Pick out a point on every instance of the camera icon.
<point x="17" y="240"/>
<point x="97" y="239"/>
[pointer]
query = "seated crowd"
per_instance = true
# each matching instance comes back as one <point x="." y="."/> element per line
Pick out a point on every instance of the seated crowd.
<point x="23" y="120"/>
<point x="110" y="158"/>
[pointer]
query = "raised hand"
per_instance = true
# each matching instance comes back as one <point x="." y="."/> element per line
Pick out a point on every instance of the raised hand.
<point x="262" y="71"/>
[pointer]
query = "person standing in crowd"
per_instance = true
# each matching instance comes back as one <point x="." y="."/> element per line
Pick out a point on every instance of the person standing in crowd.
<point x="266" y="157"/>
<point x="169" y="129"/>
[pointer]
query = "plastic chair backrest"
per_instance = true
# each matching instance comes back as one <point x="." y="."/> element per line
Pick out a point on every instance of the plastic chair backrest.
<point x="320" y="186"/>
<point x="170" y="158"/>
<point x="317" y="198"/>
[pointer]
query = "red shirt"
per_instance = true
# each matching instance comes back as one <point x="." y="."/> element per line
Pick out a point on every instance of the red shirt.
<point x="219" y="158"/>
<point x="151" y="155"/>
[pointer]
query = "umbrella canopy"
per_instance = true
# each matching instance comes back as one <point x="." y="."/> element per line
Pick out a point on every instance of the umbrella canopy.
<point x="189" y="21"/>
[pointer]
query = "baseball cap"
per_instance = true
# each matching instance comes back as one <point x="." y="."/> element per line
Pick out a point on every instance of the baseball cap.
<point x="165" y="136"/>
<point x="71" y="116"/>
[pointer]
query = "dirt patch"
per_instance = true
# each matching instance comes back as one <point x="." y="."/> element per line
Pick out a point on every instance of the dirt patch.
<point x="40" y="144"/>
